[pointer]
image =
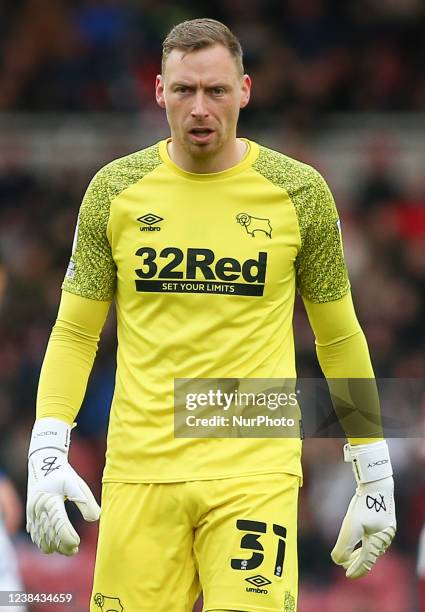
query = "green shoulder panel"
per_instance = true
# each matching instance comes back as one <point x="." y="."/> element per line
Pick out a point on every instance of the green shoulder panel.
<point x="91" y="272"/>
<point x="320" y="267"/>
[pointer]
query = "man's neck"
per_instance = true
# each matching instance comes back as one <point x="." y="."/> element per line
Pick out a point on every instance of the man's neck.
<point x="208" y="165"/>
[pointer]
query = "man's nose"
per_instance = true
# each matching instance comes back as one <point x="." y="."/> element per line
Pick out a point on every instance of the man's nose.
<point x="199" y="109"/>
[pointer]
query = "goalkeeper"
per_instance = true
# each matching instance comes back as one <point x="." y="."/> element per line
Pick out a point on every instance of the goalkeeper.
<point x="201" y="240"/>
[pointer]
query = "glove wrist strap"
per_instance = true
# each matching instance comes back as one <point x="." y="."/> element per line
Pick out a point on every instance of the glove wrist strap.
<point x="370" y="462"/>
<point x="50" y="433"/>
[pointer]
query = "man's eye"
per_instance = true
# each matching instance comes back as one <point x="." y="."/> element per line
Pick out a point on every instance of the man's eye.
<point x="180" y="89"/>
<point x="218" y="91"/>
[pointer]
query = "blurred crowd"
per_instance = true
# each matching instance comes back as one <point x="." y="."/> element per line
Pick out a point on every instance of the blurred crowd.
<point x="307" y="57"/>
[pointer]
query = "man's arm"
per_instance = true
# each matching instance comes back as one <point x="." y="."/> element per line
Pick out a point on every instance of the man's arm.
<point x="66" y="368"/>
<point x="69" y="356"/>
<point x="89" y="287"/>
<point x="343" y="354"/>
<point x="88" y="290"/>
<point x="344" y="358"/>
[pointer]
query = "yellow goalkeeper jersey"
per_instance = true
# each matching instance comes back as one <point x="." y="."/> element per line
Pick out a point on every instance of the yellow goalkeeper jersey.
<point x="203" y="269"/>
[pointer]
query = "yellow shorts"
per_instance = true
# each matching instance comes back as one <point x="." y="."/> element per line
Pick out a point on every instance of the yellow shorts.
<point x="234" y="538"/>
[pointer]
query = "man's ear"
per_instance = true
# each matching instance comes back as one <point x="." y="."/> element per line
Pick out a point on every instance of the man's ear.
<point x="159" y="90"/>
<point x="246" y="90"/>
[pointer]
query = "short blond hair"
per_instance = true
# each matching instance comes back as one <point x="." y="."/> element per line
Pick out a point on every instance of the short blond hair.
<point x="197" y="34"/>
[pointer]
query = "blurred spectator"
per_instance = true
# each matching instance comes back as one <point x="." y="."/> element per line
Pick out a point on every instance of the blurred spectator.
<point x="10" y="520"/>
<point x="420" y="566"/>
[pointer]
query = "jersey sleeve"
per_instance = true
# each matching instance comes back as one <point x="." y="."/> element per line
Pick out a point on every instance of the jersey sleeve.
<point x="344" y="358"/>
<point x="91" y="271"/>
<point x="69" y="356"/>
<point x="320" y="267"/>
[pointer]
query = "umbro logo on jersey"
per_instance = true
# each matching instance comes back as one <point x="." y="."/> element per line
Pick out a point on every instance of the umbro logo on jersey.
<point x="149" y="220"/>
<point x="254" y="224"/>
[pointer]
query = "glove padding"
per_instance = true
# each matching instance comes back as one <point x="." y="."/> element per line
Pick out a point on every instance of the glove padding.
<point x="371" y="520"/>
<point x="51" y="480"/>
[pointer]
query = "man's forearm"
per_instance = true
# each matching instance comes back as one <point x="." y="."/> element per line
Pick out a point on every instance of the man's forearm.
<point x="69" y="357"/>
<point x="347" y="367"/>
<point x="344" y="358"/>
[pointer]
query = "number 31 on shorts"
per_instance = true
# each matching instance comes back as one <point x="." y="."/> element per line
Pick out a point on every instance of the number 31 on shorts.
<point x="250" y="541"/>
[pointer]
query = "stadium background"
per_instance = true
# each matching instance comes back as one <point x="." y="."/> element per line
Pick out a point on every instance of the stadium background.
<point x="340" y="85"/>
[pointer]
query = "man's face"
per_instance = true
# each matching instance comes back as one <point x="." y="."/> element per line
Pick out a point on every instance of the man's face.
<point x="202" y="92"/>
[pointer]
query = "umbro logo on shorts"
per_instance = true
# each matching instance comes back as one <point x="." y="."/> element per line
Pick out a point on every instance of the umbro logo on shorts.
<point x="257" y="582"/>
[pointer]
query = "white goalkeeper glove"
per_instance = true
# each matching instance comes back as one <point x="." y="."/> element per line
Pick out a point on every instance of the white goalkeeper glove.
<point x="51" y="480"/>
<point x="370" y="518"/>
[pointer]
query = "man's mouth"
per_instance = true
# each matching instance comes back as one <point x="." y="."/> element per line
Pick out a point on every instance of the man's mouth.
<point x="201" y="134"/>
